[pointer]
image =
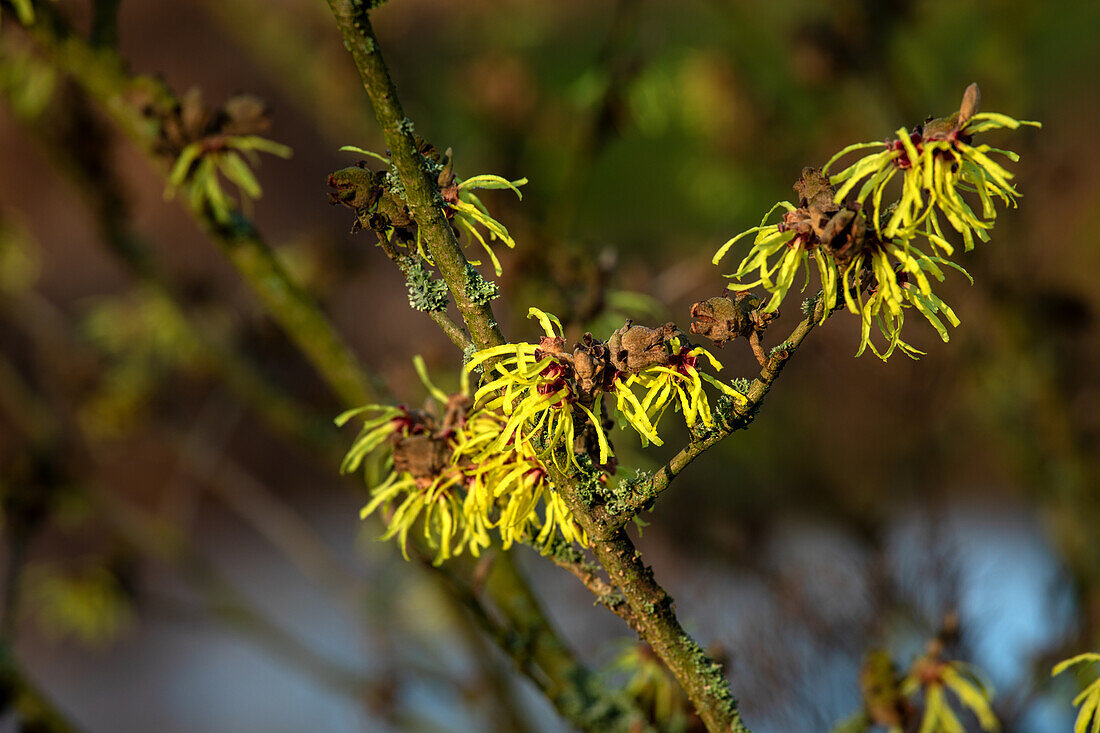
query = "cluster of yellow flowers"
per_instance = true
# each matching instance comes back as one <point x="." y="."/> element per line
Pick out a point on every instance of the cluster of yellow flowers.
<point x="467" y="464"/>
<point x="541" y="387"/>
<point x="967" y="683"/>
<point x="446" y="470"/>
<point x="896" y="702"/>
<point x="509" y="485"/>
<point x="870" y="253"/>
<point x="461" y="205"/>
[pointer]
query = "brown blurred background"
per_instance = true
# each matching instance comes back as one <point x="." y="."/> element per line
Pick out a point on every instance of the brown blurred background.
<point x="866" y="501"/>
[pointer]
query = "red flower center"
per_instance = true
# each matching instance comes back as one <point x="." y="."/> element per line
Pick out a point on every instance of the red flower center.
<point x="682" y="361"/>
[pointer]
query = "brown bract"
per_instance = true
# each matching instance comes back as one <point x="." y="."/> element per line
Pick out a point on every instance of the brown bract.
<point x="820" y="221"/>
<point x="420" y="446"/>
<point x="379" y="203"/>
<point x="356" y="188"/>
<point x="376" y="205"/>
<point x="421" y="456"/>
<point x="723" y="319"/>
<point x="551" y="346"/>
<point x="953" y="123"/>
<point x="634" y="348"/>
<point x="454" y="415"/>
<point x="592" y="365"/>
<point x="838" y="227"/>
<point x="192" y="121"/>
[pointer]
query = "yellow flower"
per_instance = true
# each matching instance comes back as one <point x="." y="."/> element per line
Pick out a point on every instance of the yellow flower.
<point x="779" y="252"/>
<point x="451" y="521"/>
<point x="463" y="206"/>
<point x="936" y="161"/>
<point x="534" y="387"/>
<point x="511" y="486"/>
<point x="935" y="677"/>
<point x="449" y="470"/>
<point x="867" y="250"/>
<point x="470" y="213"/>
<point x="1089" y="699"/>
<point x="422" y="483"/>
<point x="678" y="383"/>
<point x="198" y="166"/>
<point x="895" y="277"/>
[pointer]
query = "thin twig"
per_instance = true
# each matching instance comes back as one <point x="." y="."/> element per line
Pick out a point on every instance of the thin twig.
<point x="569" y="558"/>
<point x="653" y="616"/>
<point x="454" y="332"/>
<point x="645" y="492"/>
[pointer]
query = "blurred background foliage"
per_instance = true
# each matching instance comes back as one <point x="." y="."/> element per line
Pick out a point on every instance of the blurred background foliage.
<point x="192" y="568"/>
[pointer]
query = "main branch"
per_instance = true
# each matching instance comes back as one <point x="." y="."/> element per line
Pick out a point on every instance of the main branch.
<point x="569" y="686"/>
<point x="420" y="193"/>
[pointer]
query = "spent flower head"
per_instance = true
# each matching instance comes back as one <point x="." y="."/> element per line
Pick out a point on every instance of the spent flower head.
<point x="379" y="201"/>
<point x="723" y="319"/>
<point x="205" y="144"/>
